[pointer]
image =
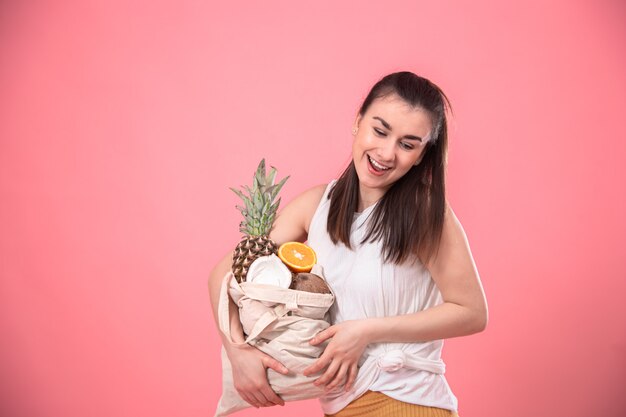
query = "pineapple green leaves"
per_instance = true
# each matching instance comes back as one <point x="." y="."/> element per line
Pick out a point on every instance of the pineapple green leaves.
<point x="260" y="209"/>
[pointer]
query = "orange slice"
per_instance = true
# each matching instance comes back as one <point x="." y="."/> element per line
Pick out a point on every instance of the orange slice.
<point x="297" y="256"/>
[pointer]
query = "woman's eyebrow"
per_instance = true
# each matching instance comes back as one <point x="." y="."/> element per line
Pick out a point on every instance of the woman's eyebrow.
<point x="389" y="127"/>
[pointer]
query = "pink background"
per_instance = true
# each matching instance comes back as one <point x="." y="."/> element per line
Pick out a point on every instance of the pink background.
<point x="122" y="125"/>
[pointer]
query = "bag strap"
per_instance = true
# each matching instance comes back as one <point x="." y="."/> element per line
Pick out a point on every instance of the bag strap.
<point x="261" y="324"/>
<point x="265" y="320"/>
<point x="223" y="309"/>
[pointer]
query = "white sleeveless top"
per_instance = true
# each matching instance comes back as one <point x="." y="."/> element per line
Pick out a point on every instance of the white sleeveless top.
<point x="365" y="286"/>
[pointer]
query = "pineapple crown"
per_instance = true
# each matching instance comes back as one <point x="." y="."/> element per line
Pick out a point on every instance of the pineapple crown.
<point x="260" y="209"/>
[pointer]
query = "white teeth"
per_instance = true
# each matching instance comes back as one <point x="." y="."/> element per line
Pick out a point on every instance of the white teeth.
<point x="376" y="164"/>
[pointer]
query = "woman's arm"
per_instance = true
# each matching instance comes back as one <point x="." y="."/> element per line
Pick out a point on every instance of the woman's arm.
<point x="463" y="312"/>
<point x="464" y="309"/>
<point x="249" y="363"/>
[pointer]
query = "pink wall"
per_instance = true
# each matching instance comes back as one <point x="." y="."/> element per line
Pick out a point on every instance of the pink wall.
<point x="122" y="125"/>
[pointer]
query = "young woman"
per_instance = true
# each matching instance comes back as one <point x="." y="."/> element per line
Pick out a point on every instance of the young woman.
<point x="396" y="258"/>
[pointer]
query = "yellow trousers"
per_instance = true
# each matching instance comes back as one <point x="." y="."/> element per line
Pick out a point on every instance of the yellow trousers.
<point x="376" y="404"/>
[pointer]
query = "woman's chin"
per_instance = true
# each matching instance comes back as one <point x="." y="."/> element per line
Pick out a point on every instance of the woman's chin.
<point x="374" y="183"/>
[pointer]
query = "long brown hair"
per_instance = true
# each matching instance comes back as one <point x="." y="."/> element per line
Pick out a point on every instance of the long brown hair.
<point x="409" y="217"/>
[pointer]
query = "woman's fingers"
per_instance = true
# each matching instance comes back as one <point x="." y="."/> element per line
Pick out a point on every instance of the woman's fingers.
<point x="262" y="397"/>
<point x="272" y="363"/>
<point x="339" y="377"/>
<point x="351" y="377"/>
<point x="319" y="364"/>
<point x="259" y="399"/>
<point x="323" y="335"/>
<point x="250" y="377"/>
<point x="271" y="398"/>
<point x="330" y="372"/>
<point x="249" y="399"/>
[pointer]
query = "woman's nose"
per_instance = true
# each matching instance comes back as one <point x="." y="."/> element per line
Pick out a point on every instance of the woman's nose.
<point x="386" y="151"/>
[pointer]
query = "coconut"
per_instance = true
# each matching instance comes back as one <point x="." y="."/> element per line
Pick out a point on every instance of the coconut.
<point x="305" y="281"/>
<point x="269" y="270"/>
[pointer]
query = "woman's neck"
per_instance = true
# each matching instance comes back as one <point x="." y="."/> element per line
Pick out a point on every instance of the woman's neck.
<point x="368" y="197"/>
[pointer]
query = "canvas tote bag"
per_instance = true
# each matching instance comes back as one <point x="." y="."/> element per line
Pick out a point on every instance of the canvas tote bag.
<point x="279" y="322"/>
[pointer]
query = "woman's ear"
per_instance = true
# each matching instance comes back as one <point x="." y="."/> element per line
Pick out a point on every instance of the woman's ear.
<point x="355" y="126"/>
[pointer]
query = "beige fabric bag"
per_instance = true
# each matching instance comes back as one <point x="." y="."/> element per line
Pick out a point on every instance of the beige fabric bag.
<point x="279" y="322"/>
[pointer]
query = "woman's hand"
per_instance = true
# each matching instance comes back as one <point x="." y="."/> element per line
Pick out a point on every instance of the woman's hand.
<point x="342" y="354"/>
<point x="249" y="367"/>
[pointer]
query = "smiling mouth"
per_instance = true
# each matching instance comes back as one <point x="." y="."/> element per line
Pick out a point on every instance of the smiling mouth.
<point x="377" y="165"/>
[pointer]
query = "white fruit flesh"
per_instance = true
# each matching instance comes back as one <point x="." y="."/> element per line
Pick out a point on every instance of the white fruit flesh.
<point x="269" y="270"/>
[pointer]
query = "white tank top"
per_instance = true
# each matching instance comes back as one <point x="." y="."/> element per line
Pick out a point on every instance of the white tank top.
<point x="365" y="286"/>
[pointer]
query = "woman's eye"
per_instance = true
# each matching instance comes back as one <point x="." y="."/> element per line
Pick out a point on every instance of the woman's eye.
<point x="406" y="145"/>
<point x="379" y="132"/>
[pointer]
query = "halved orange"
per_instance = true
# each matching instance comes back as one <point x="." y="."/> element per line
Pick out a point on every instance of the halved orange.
<point x="297" y="256"/>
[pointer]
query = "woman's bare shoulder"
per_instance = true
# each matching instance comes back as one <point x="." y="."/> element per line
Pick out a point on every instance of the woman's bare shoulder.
<point x="307" y="202"/>
<point x="292" y="222"/>
<point x="314" y="194"/>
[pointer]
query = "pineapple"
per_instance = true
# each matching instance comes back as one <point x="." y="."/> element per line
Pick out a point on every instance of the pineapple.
<point x="259" y="211"/>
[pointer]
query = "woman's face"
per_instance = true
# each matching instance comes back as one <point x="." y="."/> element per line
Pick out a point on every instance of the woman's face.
<point x="391" y="138"/>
